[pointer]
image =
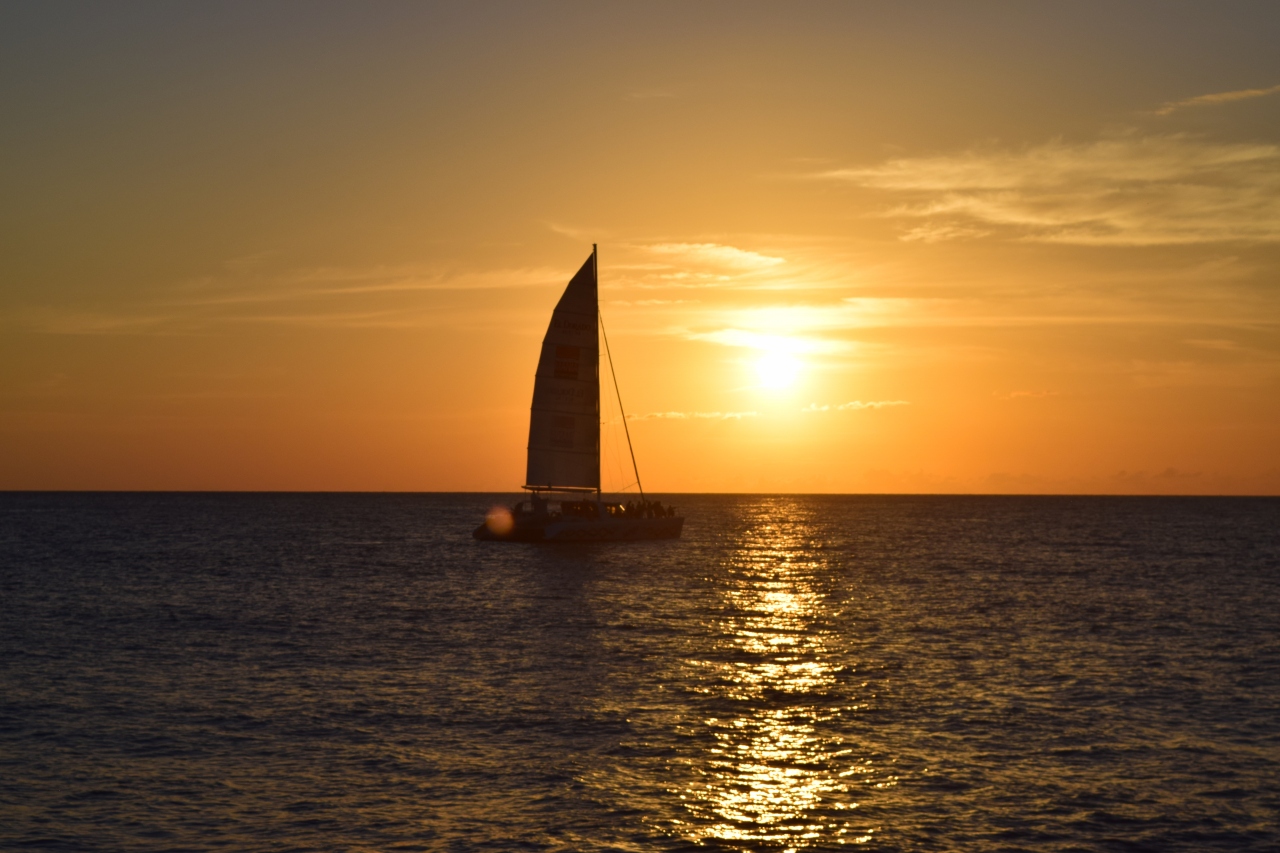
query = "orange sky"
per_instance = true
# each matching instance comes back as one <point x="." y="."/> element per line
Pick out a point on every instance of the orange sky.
<point x="843" y="247"/>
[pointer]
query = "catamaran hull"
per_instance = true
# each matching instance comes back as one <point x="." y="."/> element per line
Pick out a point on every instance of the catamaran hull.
<point x="587" y="530"/>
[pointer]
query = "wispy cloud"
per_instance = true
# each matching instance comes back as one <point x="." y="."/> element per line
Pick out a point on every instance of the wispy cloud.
<point x="855" y="405"/>
<point x="802" y="328"/>
<point x="389" y="297"/>
<point x="75" y="321"/>
<point x="1216" y="98"/>
<point x="1217" y="344"/>
<point x="770" y="343"/>
<point x="338" y="282"/>
<point x="1126" y="190"/>
<point x="574" y="232"/>
<point x="754" y="262"/>
<point x="647" y="303"/>
<point x="716" y="254"/>
<point x="680" y="416"/>
<point x="935" y="232"/>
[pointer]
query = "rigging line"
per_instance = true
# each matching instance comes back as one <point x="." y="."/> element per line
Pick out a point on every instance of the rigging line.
<point x="595" y="262"/>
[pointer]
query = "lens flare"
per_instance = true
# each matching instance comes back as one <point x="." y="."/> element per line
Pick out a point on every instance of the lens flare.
<point x="499" y="521"/>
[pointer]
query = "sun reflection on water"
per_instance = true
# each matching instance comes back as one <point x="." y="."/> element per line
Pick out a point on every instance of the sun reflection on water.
<point x="770" y="777"/>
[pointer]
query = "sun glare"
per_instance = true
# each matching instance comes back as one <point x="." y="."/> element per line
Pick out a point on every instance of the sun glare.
<point x="777" y="370"/>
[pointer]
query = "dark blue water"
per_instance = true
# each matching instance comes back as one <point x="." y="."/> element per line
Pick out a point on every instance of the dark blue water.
<point x="354" y="672"/>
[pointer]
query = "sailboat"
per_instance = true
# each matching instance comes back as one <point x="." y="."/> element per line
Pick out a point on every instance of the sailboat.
<point x="563" y="469"/>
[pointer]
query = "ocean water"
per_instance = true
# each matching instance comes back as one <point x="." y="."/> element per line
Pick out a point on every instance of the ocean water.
<point x="354" y="672"/>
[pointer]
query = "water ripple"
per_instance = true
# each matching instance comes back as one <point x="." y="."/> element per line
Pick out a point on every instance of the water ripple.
<point x="319" y="672"/>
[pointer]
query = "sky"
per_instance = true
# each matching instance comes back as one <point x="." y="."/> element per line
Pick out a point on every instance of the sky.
<point x="844" y="247"/>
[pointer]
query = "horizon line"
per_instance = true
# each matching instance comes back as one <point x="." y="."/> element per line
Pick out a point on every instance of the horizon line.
<point x="634" y="494"/>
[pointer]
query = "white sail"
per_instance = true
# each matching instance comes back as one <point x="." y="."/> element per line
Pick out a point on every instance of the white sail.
<point x="564" y="424"/>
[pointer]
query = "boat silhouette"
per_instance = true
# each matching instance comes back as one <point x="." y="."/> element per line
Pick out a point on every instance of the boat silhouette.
<point x="562" y="476"/>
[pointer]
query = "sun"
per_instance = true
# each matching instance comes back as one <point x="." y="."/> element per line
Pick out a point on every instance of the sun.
<point x="777" y="370"/>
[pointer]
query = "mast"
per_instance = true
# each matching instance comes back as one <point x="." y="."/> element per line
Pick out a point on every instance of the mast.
<point x="626" y="430"/>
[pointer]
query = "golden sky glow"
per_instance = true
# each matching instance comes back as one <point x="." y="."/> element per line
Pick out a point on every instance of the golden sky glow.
<point x="843" y="247"/>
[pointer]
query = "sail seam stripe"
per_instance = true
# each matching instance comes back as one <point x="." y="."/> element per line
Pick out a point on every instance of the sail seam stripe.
<point x="550" y="449"/>
<point x="562" y="379"/>
<point x="564" y="411"/>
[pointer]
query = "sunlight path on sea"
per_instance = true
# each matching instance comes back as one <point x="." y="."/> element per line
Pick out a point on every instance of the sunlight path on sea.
<point x="770" y="681"/>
